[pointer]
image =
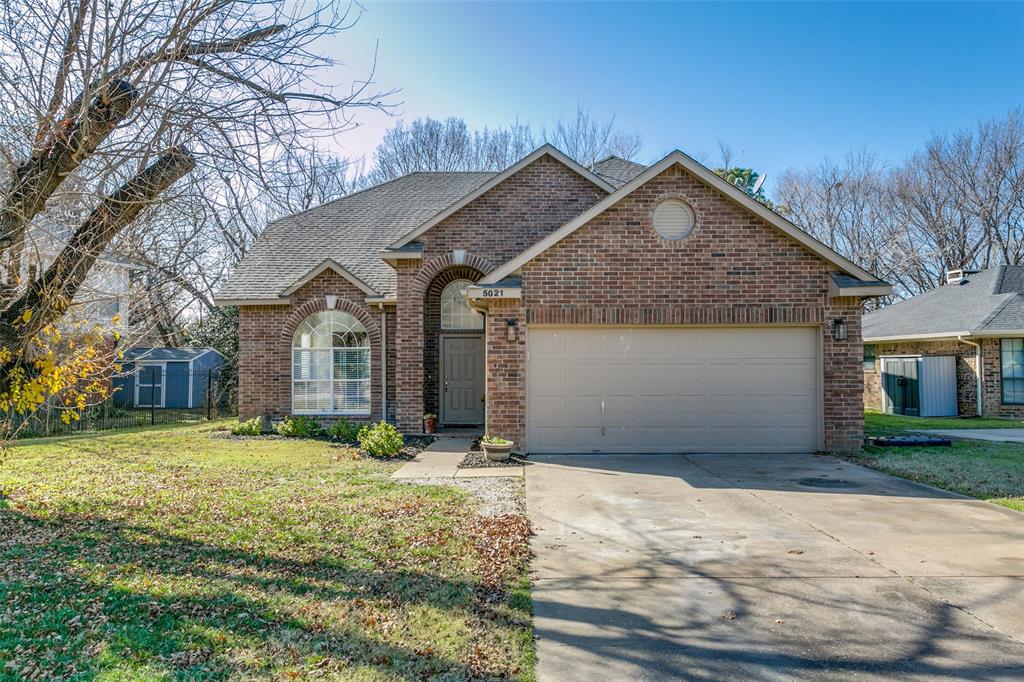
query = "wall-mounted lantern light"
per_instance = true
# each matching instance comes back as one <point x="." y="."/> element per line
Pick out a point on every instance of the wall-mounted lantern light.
<point x="511" y="329"/>
<point x="839" y="329"/>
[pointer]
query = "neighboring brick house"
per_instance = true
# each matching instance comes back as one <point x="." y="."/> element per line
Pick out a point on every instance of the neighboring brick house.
<point x="617" y="308"/>
<point x="973" y="315"/>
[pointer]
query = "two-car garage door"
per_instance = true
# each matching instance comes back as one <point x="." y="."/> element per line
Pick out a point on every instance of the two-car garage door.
<point x="672" y="389"/>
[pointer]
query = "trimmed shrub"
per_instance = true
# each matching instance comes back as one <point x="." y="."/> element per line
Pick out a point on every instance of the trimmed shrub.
<point x="343" y="430"/>
<point x="300" y="427"/>
<point x="250" y="427"/>
<point x="381" y="440"/>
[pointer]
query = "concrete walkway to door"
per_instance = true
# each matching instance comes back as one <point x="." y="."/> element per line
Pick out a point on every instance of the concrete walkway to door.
<point x="767" y="567"/>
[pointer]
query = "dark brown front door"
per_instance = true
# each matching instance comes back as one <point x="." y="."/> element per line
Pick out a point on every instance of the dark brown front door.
<point x="462" y="380"/>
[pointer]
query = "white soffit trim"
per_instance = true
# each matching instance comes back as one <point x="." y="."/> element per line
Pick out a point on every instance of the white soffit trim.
<point x="834" y="290"/>
<point x="545" y="150"/>
<point x="937" y="336"/>
<point x="329" y="264"/>
<point x="705" y="174"/>
<point x="250" y="301"/>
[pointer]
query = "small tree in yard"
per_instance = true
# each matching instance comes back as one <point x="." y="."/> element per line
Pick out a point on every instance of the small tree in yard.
<point x="104" y="108"/>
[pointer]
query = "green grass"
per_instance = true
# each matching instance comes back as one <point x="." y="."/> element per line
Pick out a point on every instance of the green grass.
<point x="178" y="553"/>
<point x="880" y="424"/>
<point x="982" y="469"/>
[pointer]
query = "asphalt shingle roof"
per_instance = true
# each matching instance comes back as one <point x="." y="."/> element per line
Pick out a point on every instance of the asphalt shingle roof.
<point x="617" y="171"/>
<point x="350" y="230"/>
<point x="986" y="301"/>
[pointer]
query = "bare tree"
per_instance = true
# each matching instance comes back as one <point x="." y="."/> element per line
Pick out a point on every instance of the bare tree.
<point x="959" y="203"/>
<point x="109" y="105"/>
<point x="588" y="139"/>
<point x="450" y="145"/>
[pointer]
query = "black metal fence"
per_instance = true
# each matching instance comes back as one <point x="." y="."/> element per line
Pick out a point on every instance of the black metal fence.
<point x="144" y="397"/>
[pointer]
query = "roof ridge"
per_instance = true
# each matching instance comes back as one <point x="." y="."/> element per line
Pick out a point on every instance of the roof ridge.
<point x="341" y="198"/>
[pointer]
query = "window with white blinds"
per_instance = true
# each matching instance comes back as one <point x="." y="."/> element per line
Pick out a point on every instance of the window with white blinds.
<point x="331" y="365"/>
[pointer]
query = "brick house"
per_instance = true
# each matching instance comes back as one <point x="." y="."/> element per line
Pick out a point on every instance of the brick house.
<point x="614" y="308"/>
<point x="975" y="320"/>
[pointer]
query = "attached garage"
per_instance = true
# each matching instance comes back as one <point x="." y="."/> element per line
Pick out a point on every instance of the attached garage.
<point x="673" y="389"/>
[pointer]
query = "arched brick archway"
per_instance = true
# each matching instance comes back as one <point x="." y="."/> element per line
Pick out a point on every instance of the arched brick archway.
<point x="433" y="333"/>
<point x="410" y="343"/>
<point x="315" y="305"/>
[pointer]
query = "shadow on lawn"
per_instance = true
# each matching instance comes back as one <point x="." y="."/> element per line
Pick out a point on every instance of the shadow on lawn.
<point x="234" y="613"/>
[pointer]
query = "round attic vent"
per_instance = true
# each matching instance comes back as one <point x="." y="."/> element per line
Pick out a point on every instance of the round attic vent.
<point x="673" y="219"/>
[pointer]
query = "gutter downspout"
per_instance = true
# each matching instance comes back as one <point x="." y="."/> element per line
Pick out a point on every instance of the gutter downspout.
<point x="383" y="363"/>
<point x="977" y="370"/>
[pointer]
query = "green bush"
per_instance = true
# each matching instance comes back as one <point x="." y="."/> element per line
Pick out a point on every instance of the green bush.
<point x="250" y="427"/>
<point x="343" y="430"/>
<point x="300" y="427"/>
<point x="381" y="440"/>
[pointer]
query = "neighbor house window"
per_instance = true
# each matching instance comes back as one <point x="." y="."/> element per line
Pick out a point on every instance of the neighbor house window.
<point x="455" y="311"/>
<point x="331" y="365"/>
<point x="1011" y="366"/>
<point x="869" y="357"/>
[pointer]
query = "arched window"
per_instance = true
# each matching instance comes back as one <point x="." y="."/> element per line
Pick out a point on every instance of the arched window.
<point x="331" y="365"/>
<point x="455" y="311"/>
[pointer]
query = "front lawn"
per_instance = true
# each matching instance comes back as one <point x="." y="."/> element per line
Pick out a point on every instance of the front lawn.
<point x="182" y="553"/>
<point x="986" y="470"/>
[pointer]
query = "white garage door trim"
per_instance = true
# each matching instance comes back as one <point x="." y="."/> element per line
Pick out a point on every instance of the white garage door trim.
<point x="681" y="351"/>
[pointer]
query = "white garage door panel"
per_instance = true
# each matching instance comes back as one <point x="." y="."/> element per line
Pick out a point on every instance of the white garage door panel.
<point x="659" y="389"/>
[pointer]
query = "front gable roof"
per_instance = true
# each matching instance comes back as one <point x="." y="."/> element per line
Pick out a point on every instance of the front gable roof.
<point x="731" y="191"/>
<point x="328" y="264"/>
<point x="545" y="150"/>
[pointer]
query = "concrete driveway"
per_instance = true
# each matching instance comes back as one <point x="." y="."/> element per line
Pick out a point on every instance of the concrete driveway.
<point x="767" y="567"/>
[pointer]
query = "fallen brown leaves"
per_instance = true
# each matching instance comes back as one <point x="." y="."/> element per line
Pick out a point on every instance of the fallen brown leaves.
<point x="502" y="544"/>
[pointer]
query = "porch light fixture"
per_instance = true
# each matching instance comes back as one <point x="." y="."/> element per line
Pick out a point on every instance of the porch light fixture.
<point x="510" y="329"/>
<point x="839" y="329"/>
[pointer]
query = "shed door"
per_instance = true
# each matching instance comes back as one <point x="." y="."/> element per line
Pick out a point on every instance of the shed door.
<point x="672" y="389"/>
<point x="899" y="379"/>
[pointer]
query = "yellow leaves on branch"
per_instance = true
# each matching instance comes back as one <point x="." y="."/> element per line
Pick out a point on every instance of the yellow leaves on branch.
<point x="67" y="365"/>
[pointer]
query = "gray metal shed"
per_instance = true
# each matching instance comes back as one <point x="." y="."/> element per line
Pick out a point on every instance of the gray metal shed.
<point x="919" y="386"/>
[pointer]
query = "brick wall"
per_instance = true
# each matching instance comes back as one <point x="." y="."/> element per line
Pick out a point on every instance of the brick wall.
<point x="732" y="269"/>
<point x="492" y="229"/>
<point x="265" y="340"/>
<point x="992" y="385"/>
<point x="966" y="384"/>
<point x="506" y="371"/>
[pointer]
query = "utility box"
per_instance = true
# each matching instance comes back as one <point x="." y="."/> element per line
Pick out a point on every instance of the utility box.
<point x="920" y="386"/>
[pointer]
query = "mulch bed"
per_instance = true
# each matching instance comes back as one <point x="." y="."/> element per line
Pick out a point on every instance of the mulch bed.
<point x="414" y="445"/>
<point x="475" y="459"/>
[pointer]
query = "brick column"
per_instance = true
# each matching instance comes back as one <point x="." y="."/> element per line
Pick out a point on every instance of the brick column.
<point x="506" y="371"/>
<point x="409" y="350"/>
<point x="844" y="377"/>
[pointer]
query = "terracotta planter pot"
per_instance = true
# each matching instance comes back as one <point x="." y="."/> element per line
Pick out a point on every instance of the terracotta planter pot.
<point x="497" y="453"/>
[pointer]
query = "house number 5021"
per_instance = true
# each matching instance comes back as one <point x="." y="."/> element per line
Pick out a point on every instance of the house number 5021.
<point x="493" y="293"/>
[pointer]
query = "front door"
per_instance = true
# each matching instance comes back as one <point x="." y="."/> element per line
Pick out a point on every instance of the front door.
<point x="462" y="380"/>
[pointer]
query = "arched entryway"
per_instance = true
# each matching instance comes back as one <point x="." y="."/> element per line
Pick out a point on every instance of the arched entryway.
<point x="453" y="350"/>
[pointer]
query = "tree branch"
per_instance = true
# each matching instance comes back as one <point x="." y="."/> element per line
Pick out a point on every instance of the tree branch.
<point x="49" y="297"/>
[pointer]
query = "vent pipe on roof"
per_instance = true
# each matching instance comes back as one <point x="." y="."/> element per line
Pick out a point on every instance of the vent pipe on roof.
<point x="959" y="276"/>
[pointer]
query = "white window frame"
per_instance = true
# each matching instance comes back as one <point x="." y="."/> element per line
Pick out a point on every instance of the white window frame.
<point x="458" y="286"/>
<point x="140" y="369"/>
<point x="330" y="380"/>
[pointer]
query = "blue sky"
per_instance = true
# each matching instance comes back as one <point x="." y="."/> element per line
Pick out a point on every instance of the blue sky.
<point x="784" y="84"/>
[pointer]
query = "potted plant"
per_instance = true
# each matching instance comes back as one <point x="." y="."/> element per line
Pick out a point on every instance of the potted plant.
<point x="496" y="449"/>
<point x="429" y="423"/>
